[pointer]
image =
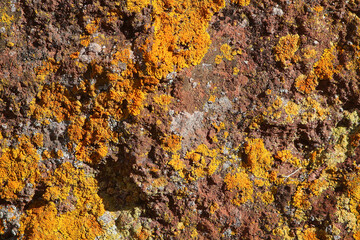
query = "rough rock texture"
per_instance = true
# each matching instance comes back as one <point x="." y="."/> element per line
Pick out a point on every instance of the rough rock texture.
<point x="179" y="119"/>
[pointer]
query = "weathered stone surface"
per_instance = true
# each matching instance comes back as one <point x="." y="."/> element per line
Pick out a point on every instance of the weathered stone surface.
<point x="202" y="119"/>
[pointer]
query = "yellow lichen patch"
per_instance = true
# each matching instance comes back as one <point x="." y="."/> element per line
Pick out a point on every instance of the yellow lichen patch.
<point x="226" y="51"/>
<point x="309" y="53"/>
<point x="306" y="84"/>
<point x="91" y="137"/>
<point x="214" y="207"/>
<point x="353" y="188"/>
<point x="277" y="103"/>
<point x="292" y="110"/>
<point x="180" y="38"/>
<point x="122" y="99"/>
<point x="172" y="143"/>
<point x="312" y="110"/>
<point x="85" y="40"/>
<point x="218" y="59"/>
<point x="92" y="27"/>
<point x="219" y="126"/>
<point x="212" y="98"/>
<point x="308" y="234"/>
<point x="18" y="167"/>
<point x="7" y="17"/>
<point x="318" y="8"/>
<point x="241" y="184"/>
<point x="50" y="66"/>
<point x="123" y="56"/>
<point x="136" y="5"/>
<point x="267" y="197"/>
<point x="163" y="100"/>
<point x="286" y="157"/>
<point x="301" y="199"/>
<point x="284" y="232"/>
<point x="160" y="182"/>
<point x="318" y="186"/>
<point x="45" y="155"/>
<point x="324" y="68"/>
<point x="242" y="3"/>
<point x="258" y="158"/>
<point x="202" y="161"/>
<point x="45" y="222"/>
<point x="236" y="71"/>
<point x="345" y="212"/>
<point x="178" y="164"/>
<point x="54" y="101"/>
<point x="74" y="55"/>
<point x="285" y="50"/>
<point x="356" y="235"/>
<point x="38" y="139"/>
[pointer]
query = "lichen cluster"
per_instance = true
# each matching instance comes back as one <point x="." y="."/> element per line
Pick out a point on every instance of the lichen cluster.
<point x="203" y="119"/>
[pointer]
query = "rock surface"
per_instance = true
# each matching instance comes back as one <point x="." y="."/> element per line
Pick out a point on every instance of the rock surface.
<point x="187" y="119"/>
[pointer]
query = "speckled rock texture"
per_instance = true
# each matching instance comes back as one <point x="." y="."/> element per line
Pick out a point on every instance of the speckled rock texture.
<point x="179" y="119"/>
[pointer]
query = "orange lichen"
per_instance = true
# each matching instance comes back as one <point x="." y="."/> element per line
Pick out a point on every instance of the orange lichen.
<point x="267" y="197"/>
<point x="163" y="100"/>
<point x="38" y="139"/>
<point x="218" y="59"/>
<point x="180" y="38"/>
<point x="214" y="207"/>
<point x="286" y="157"/>
<point x="306" y="84"/>
<point x="123" y="99"/>
<point x="92" y="27"/>
<point x="285" y="50"/>
<point x="356" y="235"/>
<point x="219" y="126"/>
<point x="178" y="165"/>
<point x="318" y="186"/>
<point x="324" y="68"/>
<point x="91" y="136"/>
<point x="353" y="188"/>
<point x="200" y="166"/>
<point x="242" y="3"/>
<point x="292" y="110"/>
<point x="200" y="162"/>
<point x="50" y="66"/>
<point x="241" y="184"/>
<point x="54" y="101"/>
<point x="44" y="221"/>
<point x="309" y="53"/>
<point x="84" y="40"/>
<point x="7" y="17"/>
<point x="74" y="55"/>
<point x="212" y="98"/>
<point x="226" y="51"/>
<point x="312" y="110"/>
<point x="258" y="158"/>
<point x="18" y="167"/>
<point x="136" y="5"/>
<point x="172" y="143"/>
<point x="301" y="198"/>
<point x="123" y="56"/>
<point x="45" y="154"/>
<point x="318" y="8"/>
<point x="309" y="234"/>
<point x="236" y="71"/>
